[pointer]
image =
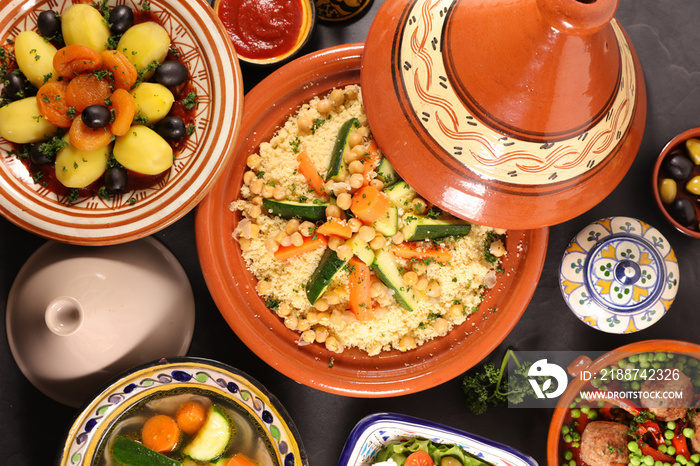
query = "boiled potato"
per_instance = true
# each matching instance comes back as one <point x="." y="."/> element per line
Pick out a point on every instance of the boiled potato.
<point x="143" y="151"/>
<point x="83" y="24"/>
<point x="78" y="169"/>
<point x="34" y="57"/>
<point x="22" y="123"/>
<point x="143" y="44"/>
<point x="153" y="101"/>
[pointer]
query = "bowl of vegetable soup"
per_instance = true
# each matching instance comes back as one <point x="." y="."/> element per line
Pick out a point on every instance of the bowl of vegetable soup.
<point x="184" y="412"/>
<point x="115" y="116"/>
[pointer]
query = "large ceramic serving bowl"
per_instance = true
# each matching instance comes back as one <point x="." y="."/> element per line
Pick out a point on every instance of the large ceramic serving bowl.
<point x="215" y="72"/>
<point x="581" y="367"/>
<point x="177" y="376"/>
<point x="352" y="373"/>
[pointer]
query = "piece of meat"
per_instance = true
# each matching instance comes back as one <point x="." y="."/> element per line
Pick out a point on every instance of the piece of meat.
<point x="604" y="443"/>
<point x="695" y="440"/>
<point x="667" y="408"/>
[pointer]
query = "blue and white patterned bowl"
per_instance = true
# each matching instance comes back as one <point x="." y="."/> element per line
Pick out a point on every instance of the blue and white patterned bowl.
<point x="374" y="432"/>
<point x="619" y="275"/>
<point x="178" y="375"/>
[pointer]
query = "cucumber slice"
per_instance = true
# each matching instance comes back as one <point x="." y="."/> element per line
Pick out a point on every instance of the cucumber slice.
<point x="417" y="228"/>
<point x="388" y="225"/>
<point x="292" y="209"/>
<point x="213" y="437"/>
<point x="387" y="270"/>
<point x="131" y="453"/>
<point x="400" y="194"/>
<point x="327" y="269"/>
<point x="386" y="172"/>
<point x="361" y="249"/>
<point x="337" y="169"/>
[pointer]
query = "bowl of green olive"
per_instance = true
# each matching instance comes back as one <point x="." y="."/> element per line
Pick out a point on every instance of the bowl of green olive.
<point x="676" y="182"/>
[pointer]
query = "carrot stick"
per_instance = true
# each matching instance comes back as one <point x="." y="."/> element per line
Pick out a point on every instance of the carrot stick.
<point x="307" y="168"/>
<point x="160" y="433"/>
<point x="239" y="459"/>
<point x="369" y="204"/>
<point x="190" y="417"/>
<point x="420" y="250"/>
<point x="370" y="161"/>
<point x="360" y="295"/>
<point x="335" y="227"/>
<point x="311" y="243"/>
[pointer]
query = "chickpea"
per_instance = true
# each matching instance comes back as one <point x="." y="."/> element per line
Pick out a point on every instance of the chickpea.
<point x="377" y="289"/>
<point x="308" y="336"/>
<point x="253" y="161"/>
<point x="418" y="205"/>
<point x="360" y="152"/>
<point x="304" y="123"/>
<point x="356" y="180"/>
<point x="355" y="139"/>
<point x="497" y="248"/>
<point x="284" y="310"/>
<point x="377" y="184"/>
<point x="323" y="106"/>
<point x="500" y="231"/>
<point x="383" y="301"/>
<point x="364" y="131"/>
<point x="397" y="238"/>
<point x="292" y="226"/>
<point x="264" y="287"/>
<point x="419" y="268"/>
<point x="351" y="156"/>
<point x="254" y="230"/>
<point x="324" y="317"/>
<point x="321" y="334"/>
<point x="336" y="318"/>
<point x="286" y="241"/>
<point x="354" y="223"/>
<point x="307" y="228"/>
<point x="351" y="92"/>
<point x="256" y="186"/>
<point x="367" y="233"/>
<point x="378" y="242"/>
<point x="296" y="238"/>
<point x="257" y="200"/>
<point x="328" y="186"/>
<point x="333" y="211"/>
<point x="410" y="277"/>
<point x="355" y="167"/>
<point x="339" y="188"/>
<point x="244" y="243"/>
<point x="337" y="97"/>
<point x="271" y="245"/>
<point x="332" y="297"/>
<point x="291" y="322"/>
<point x="279" y="193"/>
<point x="344" y="201"/>
<point x="441" y="326"/>
<point x="312" y="317"/>
<point x="267" y="191"/>
<point x="332" y="344"/>
<point x="349" y="317"/>
<point x="254" y="211"/>
<point x="334" y="242"/>
<point x="456" y="310"/>
<point x="303" y="325"/>
<point x="248" y="177"/>
<point x="321" y="305"/>
<point x="344" y="252"/>
<point x="433" y="289"/>
<point x="407" y="343"/>
<point x="280" y="236"/>
<point x="422" y="284"/>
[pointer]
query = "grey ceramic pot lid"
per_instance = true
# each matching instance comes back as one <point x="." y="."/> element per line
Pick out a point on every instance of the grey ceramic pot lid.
<point x="619" y="275"/>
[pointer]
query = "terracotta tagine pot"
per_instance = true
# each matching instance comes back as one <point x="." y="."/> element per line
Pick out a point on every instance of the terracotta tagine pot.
<point x="510" y="113"/>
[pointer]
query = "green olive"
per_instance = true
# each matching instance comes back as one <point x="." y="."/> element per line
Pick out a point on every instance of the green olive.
<point x="450" y="461"/>
<point x="153" y="102"/>
<point x="668" y="190"/>
<point x="22" y="123"/>
<point x="693" y="185"/>
<point x="143" y="44"/>
<point x="693" y="146"/>
<point x="78" y="169"/>
<point x="143" y="151"/>
<point x="82" y="24"/>
<point x="34" y="57"/>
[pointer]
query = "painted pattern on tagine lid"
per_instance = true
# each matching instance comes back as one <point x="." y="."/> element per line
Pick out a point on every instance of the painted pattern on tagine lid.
<point x="510" y="113"/>
<point x="619" y="275"/>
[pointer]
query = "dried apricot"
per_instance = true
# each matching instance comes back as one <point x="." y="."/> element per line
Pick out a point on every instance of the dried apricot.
<point x="123" y="71"/>
<point x="84" y="138"/>
<point x="51" y="100"/>
<point x="85" y="90"/>
<point x="124" y="109"/>
<point x="72" y="60"/>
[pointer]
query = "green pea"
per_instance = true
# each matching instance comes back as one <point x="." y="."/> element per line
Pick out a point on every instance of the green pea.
<point x="649" y="460"/>
<point x="575" y="444"/>
<point x="688" y="432"/>
<point x="661" y="357"/>
<point x="671" y="450"/>
<point x="634" y="358"/>
<point x="575" y="413"/>
<point x="633" y="446"/>
<point x="644" y="364"/>
<point x="568" y="455"/>
<point x="669" y="434"/>
<point x="663" y="448"/>
<point x="567" y="438"/>
<point x="643" y="357"/>
<point x="658" y="463"/>
<point x="681" y="459"/>
<point x="593" y="415"/>
<point x="585" y="409"/>
<point x="693" y="362"/>
<point x="695" y="457"/>
<point x="622" y="363"/>
<point x="576" y="436"/>
<point x="635" y="460"/>
<point x="572" y="462"/>
<point x="636" y="385"/>
<point x="564" y="430"/>
<point x="670" y="425"/>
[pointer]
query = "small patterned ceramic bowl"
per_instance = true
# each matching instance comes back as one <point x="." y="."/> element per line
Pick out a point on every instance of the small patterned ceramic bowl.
<point x="374" y="432"/>
<point x="203" y="44"/>
<point x="177" y="376"/>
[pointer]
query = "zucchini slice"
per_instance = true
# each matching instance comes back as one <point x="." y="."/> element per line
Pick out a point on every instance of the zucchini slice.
<point x="388" y="225"/>
<point x="387" y="270"/>
<point x="400" y="194"/>
<point x="292" y="209"/>
<point x="131" y="453"/>
<point x="213" y="437"/>
<point x="337" y="168"/>
<point x="361" y="249"/>
<point x="418" y="228"/>
<point x="386" y="172"/>
<point x="328" y="268"/>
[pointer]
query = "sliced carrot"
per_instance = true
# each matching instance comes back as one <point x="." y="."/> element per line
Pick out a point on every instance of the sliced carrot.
<point x="123" y="107"/>
<point x="360" y="290"/>
<point x="160" y="433"/>
<point x="72" y="60"/>
<point x="190" y="417"/>
<point x="85" y="90"/>
<point x="369" y="204"/>
<point x="311" y="243"/>
<point x="124" y="74"/>
<point x="82" y="137"/>
<point x="239" y="459"/>
<point x="51" y="100"/>
<point x="335" y="227"/>
<point x="422" y="250"/>
<point x="370" y="161"/>
<point x="307" y="168"/>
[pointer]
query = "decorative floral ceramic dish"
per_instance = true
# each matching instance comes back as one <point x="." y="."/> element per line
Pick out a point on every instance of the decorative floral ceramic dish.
<point x="353" y="372"/>
<point x="88" y="438"/>
<point x="376" y="431"/>
<point x="203" y="45"/>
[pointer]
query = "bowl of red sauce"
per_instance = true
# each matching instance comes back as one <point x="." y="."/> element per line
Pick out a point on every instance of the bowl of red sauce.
<point x="267" y="32"/>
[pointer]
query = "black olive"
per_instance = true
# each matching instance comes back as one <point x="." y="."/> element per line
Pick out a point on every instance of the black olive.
<point x="15" y="86"/>
<point x="683" y="211"/>
<point x="48" y="23"/>
<point x="96" y="116"/>
<point x="171" y="73"/>
<point x="38" y="157"/>
<point x="116" y="179"/>
<point x="120" y="19"/>
<point x="171" y="127"/>
<point x="678" y="165"/>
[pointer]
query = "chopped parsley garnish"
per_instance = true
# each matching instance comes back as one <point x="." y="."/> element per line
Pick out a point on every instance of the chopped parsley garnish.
<point x="190" y="101"/>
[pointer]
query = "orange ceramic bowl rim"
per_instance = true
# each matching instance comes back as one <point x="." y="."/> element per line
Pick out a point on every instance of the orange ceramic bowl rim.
<point x="351" y="373"/>
<point x="670" y="346"/>
<point x="308" y="8"/>
<point x="685" y="135"/>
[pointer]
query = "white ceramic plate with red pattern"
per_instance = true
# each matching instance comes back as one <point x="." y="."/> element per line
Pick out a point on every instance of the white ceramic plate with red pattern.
<point x="214" y="75"/>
